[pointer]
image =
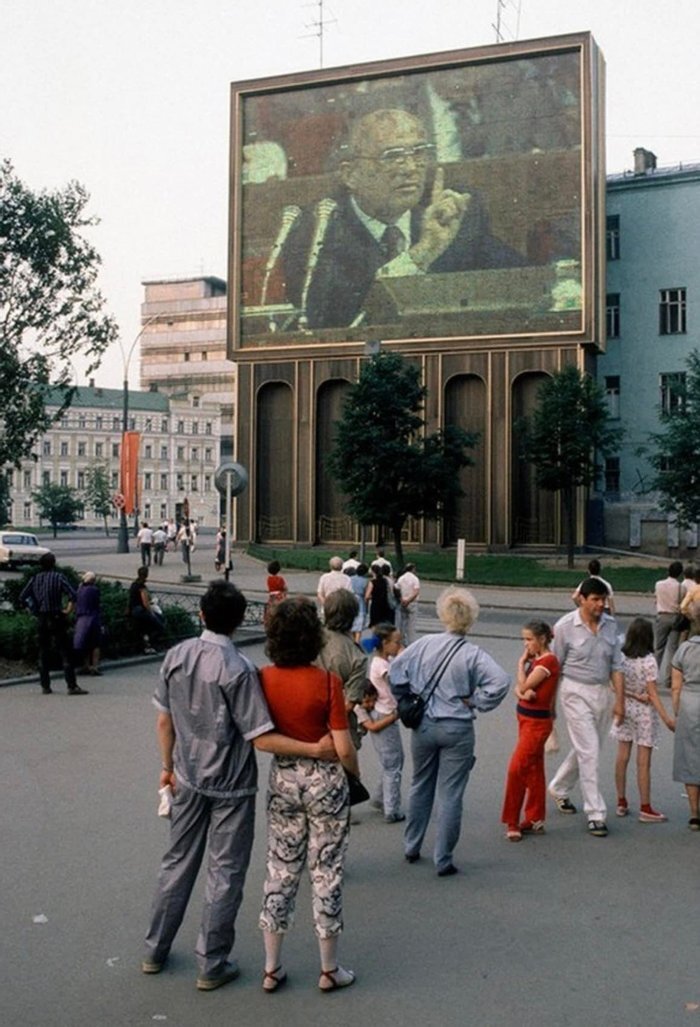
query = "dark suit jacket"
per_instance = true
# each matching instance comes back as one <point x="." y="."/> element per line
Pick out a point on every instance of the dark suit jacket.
<point x="351" y="257"/>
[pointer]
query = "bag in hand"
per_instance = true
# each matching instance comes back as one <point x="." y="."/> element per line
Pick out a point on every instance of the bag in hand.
<point x="357" y="791"/>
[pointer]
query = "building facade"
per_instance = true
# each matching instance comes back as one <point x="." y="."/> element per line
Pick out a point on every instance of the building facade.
<point x="653" y="286"/>
<point x="178" y="455"/>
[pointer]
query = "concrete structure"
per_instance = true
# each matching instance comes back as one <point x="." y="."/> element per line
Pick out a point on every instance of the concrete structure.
<point x="653" y="277"/>
<point x="183" y="345"/>
<point x="179" y="453"/>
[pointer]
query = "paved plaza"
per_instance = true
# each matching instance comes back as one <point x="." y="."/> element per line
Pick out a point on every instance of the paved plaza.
<point x="561" y="929"/>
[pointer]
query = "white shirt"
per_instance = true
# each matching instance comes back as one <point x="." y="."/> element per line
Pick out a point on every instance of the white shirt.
<point x="144" y="537"/>
<point x="668" y="595"/>
<point x="409" y="586"/>
<point x="332" y="581"/>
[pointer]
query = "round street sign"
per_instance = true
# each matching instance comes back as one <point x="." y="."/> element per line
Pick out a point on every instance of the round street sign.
<point x="237" y="475"/>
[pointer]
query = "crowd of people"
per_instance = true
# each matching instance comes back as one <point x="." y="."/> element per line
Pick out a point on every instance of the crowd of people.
<point x="322" y="694"/>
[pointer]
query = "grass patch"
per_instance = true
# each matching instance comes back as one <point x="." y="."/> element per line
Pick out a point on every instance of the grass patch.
<point x="486" y="568"/>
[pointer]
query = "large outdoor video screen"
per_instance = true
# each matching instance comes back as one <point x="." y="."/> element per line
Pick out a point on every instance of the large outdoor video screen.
<point x="433" y="198"/>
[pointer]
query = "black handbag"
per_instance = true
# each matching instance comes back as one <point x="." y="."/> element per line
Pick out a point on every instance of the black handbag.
<point x="411" y="706"/>
<point x="356" y="790"/>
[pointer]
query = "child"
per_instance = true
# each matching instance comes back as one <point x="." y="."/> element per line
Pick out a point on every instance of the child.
<point x="276" y="588"/>
<point x="538" y="675"/>
<point x="378" y="715"/>
<point x="641" y="724"/>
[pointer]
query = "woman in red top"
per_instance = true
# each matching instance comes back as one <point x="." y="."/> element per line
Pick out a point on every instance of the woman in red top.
<point x="307" y="803"/>
<point x="276" y="588"/>
<point x="536" y="689"/>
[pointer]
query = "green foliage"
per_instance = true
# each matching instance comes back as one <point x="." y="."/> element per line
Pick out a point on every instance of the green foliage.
<point x="382" y="460"/>
<point x="50" y="309"/>
<point x="674" y="452"/>
<point x="571" y="424"/>
<point x="4" y="499"/>
<point x="97" y="494"/>
<point x="57" y="504"/>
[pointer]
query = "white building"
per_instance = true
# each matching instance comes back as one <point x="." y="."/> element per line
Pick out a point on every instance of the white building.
<point x="178" y="456"/>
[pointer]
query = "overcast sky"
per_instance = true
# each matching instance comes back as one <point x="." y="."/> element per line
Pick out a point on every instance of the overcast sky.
<point x="131" y="98"/>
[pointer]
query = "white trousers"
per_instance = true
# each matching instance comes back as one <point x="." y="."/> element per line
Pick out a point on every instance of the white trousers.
<point x="588" y="713"/>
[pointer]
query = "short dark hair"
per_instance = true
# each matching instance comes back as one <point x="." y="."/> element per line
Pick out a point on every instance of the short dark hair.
<point x="294" y="633"/>
<point x="274" y="567"/>
<point x="675" y="569"/>
<point x="47" y="561"/>
<point x="361" y="570"/>
<point x="383" y="631"/>
<point x="340" y="609"/>
<point x="594" y="566"/>
<point x="369" y="691"/>
<point x="593" y="587"/>
<point x="223" y="607"/>
<point x="639" y="639"/>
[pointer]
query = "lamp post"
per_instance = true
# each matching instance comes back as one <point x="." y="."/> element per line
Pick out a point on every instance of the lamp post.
<point x="123" y="534"/>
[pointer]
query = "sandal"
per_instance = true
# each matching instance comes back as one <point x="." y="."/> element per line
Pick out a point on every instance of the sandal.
<point x="273" y="979"/>
<point x="330" y="980"/>
<point x="513" y="834"/>
<point x="694" y="823"/>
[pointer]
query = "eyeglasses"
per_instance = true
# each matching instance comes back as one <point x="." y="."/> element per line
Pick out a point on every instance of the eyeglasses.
<point x="397" y="156"/>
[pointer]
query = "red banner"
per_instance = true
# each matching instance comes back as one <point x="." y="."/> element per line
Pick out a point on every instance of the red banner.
<point x="130" y="469"/>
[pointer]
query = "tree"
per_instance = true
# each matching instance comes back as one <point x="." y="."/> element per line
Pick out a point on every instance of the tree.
<point x="4" y="498"/>
<point x="50" y="310"/>
<point x="384" y="463"/>
<point x="58" y="504"/>
<point x="674" y="452"/>
<point x="570" y="425"/>
<point x="97" y="494"/>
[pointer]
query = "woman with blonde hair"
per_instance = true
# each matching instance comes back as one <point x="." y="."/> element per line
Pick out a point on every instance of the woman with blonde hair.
<point x="455" y="679"/>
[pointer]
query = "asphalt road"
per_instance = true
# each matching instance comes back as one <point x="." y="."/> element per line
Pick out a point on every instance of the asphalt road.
<point x="561" y="929"/>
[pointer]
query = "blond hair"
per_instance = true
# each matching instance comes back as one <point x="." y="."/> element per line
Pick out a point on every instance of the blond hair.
<point x="457" y="609"/>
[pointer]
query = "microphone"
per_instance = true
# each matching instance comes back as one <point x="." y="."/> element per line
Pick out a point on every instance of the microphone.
<point x="289" y="217"/>
<point x="324" y="212"/>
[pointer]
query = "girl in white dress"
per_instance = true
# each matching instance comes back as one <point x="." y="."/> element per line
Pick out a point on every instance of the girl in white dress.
<point x="643" y="708"/>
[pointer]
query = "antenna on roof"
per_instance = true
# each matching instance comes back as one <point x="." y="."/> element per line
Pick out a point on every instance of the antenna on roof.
<point x="320" y="26"/>
<point x="503" y="28"/>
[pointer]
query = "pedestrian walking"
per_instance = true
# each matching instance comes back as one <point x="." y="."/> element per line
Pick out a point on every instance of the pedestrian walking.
<point x="408" y="589"/>
<point x="145" y="541"/>
<point x="668" y="594"/>
<point x="87" y="633"/>
<point x="160" y="541"/>
<point x="685" y="698"/>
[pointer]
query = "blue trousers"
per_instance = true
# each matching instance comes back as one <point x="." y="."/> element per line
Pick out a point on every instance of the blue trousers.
<point x="443" y="756"/>
<point x="387" y="745"/>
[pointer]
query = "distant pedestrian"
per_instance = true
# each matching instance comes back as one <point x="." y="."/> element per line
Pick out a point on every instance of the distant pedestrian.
<point x="643" y="708"/>
<point x="185" y="539"/>
<point x="380" y="603"/>
<point x="408" y="589"/>
<point x="220" y="551"/>
<point x="276" y="589"/>
<point x="50" y="597"/>
<point x="160" y="540"/>
<point x="668" y="594"/>
<point x="145" y="541"/>
<point x="351" y="564"/>
<point x="381" y="559"/>
<point x="358" y="587"/>
<point x="332" y="580"/>
<point x="536" y="692"/>
<point x="87" y="634"/>
<point x="141" y="610"/>
<point x="594" y="572"/>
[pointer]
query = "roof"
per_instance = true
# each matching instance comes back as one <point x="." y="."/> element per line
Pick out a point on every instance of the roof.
<point x="661" y="176"/>
<point x="88" y="396"/>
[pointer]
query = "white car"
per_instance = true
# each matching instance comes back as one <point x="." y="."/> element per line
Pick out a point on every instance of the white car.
<point x="19" y="547"/>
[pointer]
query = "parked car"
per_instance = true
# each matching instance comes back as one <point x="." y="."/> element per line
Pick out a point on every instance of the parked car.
<point x="19" y="547"/>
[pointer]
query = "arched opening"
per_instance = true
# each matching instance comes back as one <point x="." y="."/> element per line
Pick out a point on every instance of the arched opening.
<point x="332" y="520"/>
<point x="275" y="463"/>
<point x="534" y="519"/>
<point x="465" y="407"/>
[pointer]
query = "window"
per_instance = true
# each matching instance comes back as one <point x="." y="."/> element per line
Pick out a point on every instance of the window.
<point x="672" y="312"/>
<point x="64" y="449"/>
<point x="180" y="483"/>
<point x="99" y="448"/>
<point x="207" y="482"/>
<point x="195" y="427"/>
<point x="81" y="479"/>
<point x="98" y="422"/>
<point x="186" y="358"/>
<point x="195" y="453"/>
<point x="115" y="449"/>
<point x="163" y="511"/>
<point x="45" y="477"/>
<point x="612" y="315"/>
<point x="115" y="479"/>
<point x="612" y="475"/>
<point x="195" y="401"/>
<point x="148" y="424"/>
<point x="81" y="449"/>
<point x="63" y="478"/>
<point x="612" y="394"/>
<point x="163" y="483"/>
<point x="82" y="421"/>
<point x="10" y="477"/>
<point x="672" y="387"/>
<point x="148" y="452"/>
<point x="116" y="424"/>
<point x="205" y="355"/>
<point x="148" y="481"/>
<point x="181" y="427"/>
<point x="208" y="453"/>
<point x="181" y="452"/>
<point x="28" y="512"/>
<point x="612" y="237"/>
<point x="207" y="428"/>
<point x="46" y="448"/>
<point x="164" y="452"/>
<point x="164" y="424"/>
<point x="194" y="483"/>
<point x="132" y="424"/>
<point x="147" y="511"/>
<point x="27" y="476"/>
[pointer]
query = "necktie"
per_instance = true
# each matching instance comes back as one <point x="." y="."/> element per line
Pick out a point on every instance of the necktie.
<point x="393" y="241"/>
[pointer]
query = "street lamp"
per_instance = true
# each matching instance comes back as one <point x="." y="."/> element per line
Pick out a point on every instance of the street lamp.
<point x="123" y="534"/>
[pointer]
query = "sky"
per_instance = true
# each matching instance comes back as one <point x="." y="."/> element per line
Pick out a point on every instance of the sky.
<point x="131" y="98"/>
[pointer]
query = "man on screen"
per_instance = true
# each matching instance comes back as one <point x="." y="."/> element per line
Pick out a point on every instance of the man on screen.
<point x="393" y="218"/>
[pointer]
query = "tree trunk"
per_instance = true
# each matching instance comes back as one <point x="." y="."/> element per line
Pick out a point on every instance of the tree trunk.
<point x="54" y="525"/>
<point x="569" y="496"/>
<point x="396" y="530"/>
<point x="106" y="526"/>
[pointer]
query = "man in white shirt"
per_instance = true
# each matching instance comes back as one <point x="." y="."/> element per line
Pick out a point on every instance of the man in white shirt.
<point x="332" y="580"/>
<point x="145" y="541"/>
<point x="352" y="563"/>
<point x="668" y="593"/>
<point x="409" y="587"/>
